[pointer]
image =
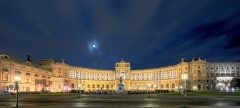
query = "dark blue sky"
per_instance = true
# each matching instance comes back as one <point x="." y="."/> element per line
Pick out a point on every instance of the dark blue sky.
<point x="146" y="33"/>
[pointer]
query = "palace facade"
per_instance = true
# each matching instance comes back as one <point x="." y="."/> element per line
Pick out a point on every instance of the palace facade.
<point x="49" y="74"/>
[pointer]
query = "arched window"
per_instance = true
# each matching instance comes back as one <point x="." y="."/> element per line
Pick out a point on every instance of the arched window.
<point x="167" y="85"/>
<point x="132" y="85"/>
<point x="161" y="86"/>
<point x="103" y="77"/>
<point x="199" y="86"/>
<point x="173" y="85"/>
<point x="199" y="73"/>
<point x="93" y="86"/>
<point x="72" y="85"/>
<point x="27" y="89"/>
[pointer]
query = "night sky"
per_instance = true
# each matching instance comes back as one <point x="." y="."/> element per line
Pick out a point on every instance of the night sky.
<point x="146" y="33"/>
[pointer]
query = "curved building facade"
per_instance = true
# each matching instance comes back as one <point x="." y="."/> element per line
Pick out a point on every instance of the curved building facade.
<point x="49" y="74"/>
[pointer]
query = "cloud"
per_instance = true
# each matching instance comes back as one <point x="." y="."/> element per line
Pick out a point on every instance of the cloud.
<point x="145" y="33"/>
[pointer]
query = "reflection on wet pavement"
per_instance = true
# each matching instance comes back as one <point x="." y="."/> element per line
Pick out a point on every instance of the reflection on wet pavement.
<point x="118" y="101"/>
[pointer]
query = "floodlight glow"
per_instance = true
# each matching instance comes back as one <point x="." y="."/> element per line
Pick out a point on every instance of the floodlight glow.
<point x="184" y="76"/>
<point x="17" y="78"/>
<point x="155" y="85"/>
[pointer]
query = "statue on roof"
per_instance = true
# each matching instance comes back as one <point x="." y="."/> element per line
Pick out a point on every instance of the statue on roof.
<point x="183" y="59"/>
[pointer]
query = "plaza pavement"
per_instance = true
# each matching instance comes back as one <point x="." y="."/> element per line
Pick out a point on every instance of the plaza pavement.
<point x="122" y="101"/>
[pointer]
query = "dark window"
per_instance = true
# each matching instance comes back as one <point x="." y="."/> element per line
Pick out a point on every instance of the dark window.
<point x="199" y="86"/>
<point x="173" y="85"/>
<point x="199" y="73"/>
<point x="167" y="85"/>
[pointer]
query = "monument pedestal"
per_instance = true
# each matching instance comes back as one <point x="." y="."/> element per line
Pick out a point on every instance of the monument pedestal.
<point x="120" y="88"/>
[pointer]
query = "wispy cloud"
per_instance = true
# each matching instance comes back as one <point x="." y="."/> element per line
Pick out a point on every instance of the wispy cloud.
<point x="145" y="33"/>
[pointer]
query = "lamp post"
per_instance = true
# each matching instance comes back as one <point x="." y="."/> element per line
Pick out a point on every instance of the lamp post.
<point x="149" y="91"/>
<point x="79" y="90"/>
<point x="220" y="90"/>
<point x="155" y="88"/>
<point x="184" y="77"/>
<point x="160" y="86"/>
<point x="17" y="78"/>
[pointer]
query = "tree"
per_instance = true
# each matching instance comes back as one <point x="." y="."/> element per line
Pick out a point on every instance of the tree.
<point x="235" y="82"/>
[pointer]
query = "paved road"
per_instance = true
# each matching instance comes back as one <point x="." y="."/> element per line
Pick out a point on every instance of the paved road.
<point x="163" y="101"/>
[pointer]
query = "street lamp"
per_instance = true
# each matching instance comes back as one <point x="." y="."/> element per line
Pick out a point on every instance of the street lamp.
<point x="149" y="91"/>
<point x="79" y="91"/>
<point x="155" y="88"/>
<point x="184" y="77"/>
<point x="17" y="78"/>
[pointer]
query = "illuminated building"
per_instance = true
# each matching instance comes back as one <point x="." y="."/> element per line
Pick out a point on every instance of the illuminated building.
<point x="49" y="74"/>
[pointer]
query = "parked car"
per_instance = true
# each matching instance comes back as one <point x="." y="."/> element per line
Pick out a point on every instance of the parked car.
<point x="6" y="93"/>
<point x="86" y="92"/>
<point x="1" y="92"/>
<point x="110" y="93"/>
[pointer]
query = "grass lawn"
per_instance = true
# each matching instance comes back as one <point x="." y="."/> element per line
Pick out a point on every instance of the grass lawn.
<point x="209" y="93"/>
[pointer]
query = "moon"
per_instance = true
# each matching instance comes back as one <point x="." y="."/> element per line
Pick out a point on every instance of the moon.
<point x="93" y="46"/>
